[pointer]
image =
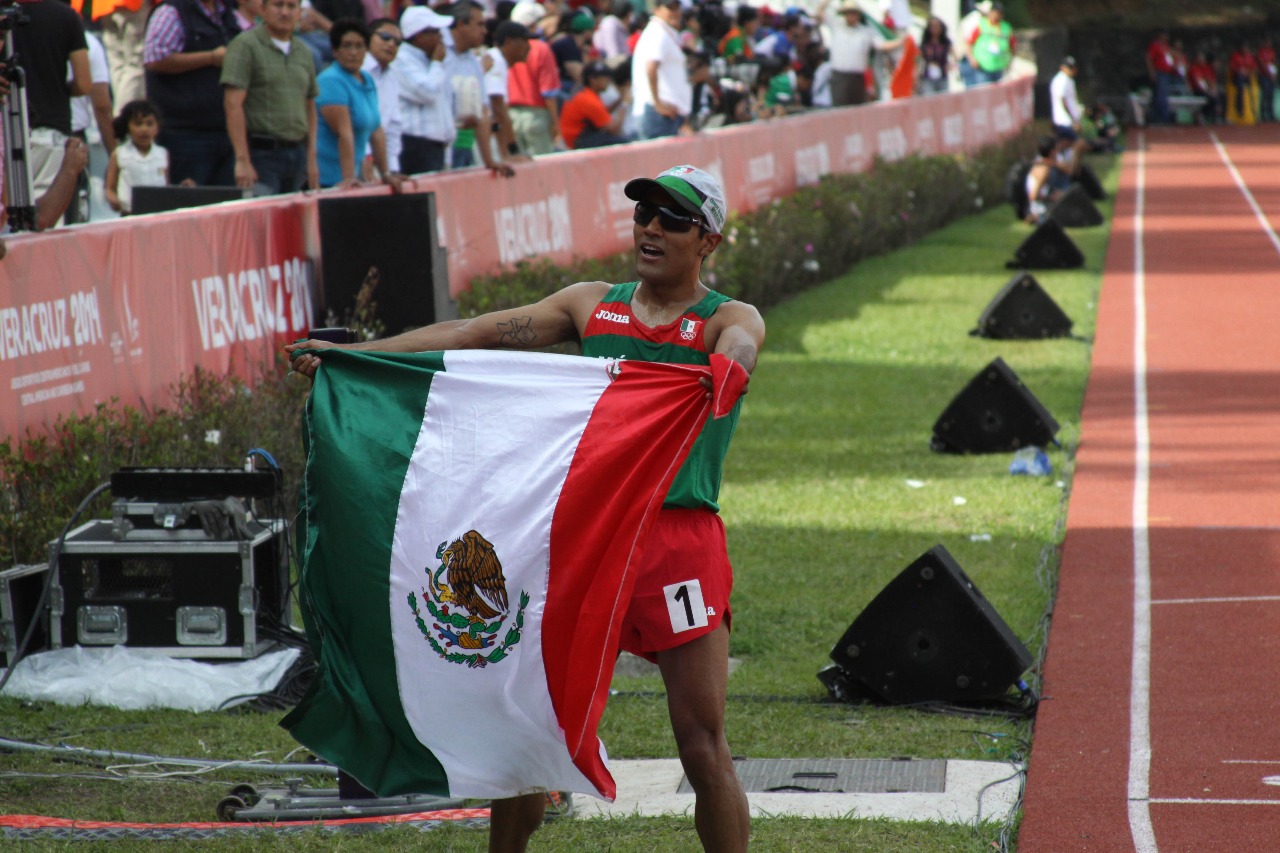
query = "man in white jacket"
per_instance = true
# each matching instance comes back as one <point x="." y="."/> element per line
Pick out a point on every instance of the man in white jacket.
<point x="426" y="100"/>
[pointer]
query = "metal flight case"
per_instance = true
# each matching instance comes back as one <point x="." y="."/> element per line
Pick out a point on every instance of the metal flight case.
<point x="175" y="590"/>
<point x="20" y="589"/>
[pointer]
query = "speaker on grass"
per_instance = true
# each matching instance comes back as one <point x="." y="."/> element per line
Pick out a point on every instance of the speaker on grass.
<point x="1087" y="179"/>
<point x="1047" y="248"/>
<point x="1022" y="310"/>
<point x="994" y="413"/>
<point x="1073" y="209"/>
<point x="931" y="636"/>
<point x="388" y="243"/>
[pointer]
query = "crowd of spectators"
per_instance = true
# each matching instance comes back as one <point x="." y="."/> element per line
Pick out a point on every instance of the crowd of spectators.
<point x="1239" y="87"/>
<point x="276" y="95"/>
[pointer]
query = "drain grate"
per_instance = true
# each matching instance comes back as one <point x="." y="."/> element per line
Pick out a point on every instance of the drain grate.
<point x="838" y="776"/>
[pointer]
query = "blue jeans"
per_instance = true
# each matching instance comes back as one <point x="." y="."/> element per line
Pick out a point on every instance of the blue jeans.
<point x="461" y="158"/>
<point x="654" y="125"/>
<point x="980" y="77"/>
<point x="204" y="156"/>
<point x="1160" y="113"/>
<point x="282" y="170"/>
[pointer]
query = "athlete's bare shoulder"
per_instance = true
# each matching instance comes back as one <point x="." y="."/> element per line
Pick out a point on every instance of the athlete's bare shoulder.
<point x="579" y="300"/>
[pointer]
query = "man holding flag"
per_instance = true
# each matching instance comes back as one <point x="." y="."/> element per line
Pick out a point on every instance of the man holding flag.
<point x="677" y="613"/>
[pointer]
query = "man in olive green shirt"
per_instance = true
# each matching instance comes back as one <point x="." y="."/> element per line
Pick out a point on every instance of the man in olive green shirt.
<point x="269" y="88"/>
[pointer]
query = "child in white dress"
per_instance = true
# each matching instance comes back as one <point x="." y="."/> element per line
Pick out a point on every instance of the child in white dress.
<point x="137" y="160"/>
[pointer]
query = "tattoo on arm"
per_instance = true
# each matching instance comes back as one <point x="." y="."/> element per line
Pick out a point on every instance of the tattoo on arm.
<point x="517" y="333"/>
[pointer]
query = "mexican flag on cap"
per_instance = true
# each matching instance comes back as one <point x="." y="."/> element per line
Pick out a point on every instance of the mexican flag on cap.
<point x="471" y="526"/>
<point x="691" y="188"/>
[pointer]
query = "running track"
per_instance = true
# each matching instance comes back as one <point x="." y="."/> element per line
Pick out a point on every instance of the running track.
<point x="1159" y="729"/>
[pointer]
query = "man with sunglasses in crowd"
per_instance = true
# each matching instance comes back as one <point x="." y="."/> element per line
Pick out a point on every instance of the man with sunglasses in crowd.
<point x="667" y="315"/>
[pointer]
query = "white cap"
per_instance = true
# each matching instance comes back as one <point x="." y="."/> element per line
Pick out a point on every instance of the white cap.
<point x="418" y="18"/>
<point x="528" y="13"/>
<point x="689" y="187"/>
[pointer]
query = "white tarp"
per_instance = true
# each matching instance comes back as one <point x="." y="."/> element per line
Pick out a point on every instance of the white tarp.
<point x="137" y="678"/>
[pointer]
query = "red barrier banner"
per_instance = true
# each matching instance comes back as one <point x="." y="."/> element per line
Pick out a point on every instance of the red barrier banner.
<point x="122" y="309"/>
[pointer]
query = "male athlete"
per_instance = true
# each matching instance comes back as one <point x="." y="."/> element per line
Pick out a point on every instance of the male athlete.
<point x="669" y="315"/>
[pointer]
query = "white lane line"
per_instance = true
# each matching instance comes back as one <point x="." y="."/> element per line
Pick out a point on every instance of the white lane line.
<point x="1196" y="801"/>
<point x="1250" y="761"/>
<point x="1229" y="600"/>
<point x="1140" y="828"/>
<point x="1248" y="196"/>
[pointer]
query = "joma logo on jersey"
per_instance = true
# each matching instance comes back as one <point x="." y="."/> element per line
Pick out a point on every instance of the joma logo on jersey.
<point x="610" y="317"/>
<point x="688" y="329"/>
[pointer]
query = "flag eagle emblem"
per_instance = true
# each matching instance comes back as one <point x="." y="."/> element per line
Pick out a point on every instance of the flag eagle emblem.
<point x="473" y="582"/>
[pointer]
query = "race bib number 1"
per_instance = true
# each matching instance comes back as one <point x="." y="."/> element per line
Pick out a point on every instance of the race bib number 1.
<point x="685" y="605"/>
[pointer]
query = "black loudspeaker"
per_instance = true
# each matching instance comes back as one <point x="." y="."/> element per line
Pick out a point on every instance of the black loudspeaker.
<point x="1047" y="248"/>
<point x="930" y="636"/>
<point x="995" y="413"/>
<point x="1022" y="310"/>
<point x="1087" y="179"/>
<point x="1074" y="209"/>
<point x="388" y="243"/>
<point x="1015" y="188"/>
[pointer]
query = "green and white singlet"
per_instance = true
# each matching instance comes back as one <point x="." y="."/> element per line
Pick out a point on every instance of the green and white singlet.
<point x="614" y="332"/>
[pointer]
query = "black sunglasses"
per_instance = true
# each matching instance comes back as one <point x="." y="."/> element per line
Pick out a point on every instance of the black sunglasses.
<point x="677" y="223"/>
<point x="391" y="37"/>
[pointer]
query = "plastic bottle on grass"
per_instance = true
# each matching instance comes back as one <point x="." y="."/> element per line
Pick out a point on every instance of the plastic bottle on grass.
<point x="1031" y="461"/>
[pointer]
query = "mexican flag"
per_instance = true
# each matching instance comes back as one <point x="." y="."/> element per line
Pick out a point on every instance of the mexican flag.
<point x="470" y="530"/>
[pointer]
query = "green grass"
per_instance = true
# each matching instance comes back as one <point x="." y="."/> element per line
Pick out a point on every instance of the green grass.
<point x="820" y="518"/>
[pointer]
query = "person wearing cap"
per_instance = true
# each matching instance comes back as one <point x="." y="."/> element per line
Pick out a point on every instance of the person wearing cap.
<point x="510" y="47"/>
<point x="852" y="41"/>
<point x="426" y="105"/>
<point x="269" y="94"/>
<point x="1066" y="110"/>
<point x="667" y="315"/>
<point x="991" y="47"/>
<point x="663" y="96"/>
<point x="585" y="122"/>
<point x="533" y="88"/>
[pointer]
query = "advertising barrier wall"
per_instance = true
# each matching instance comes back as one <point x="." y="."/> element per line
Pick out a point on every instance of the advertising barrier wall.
<point x="122" y="309"/>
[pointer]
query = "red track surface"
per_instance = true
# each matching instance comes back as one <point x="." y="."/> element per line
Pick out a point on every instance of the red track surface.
<point x="1160" y="725"/>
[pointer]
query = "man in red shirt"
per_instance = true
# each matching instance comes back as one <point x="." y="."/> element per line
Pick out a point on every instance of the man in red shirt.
<point x="1202" y="77"/>
<point x="585" y="122"/>
<point x="1161" y="68"/>
<point x="533" y="87"/>
<point x="1242" y="67"/>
